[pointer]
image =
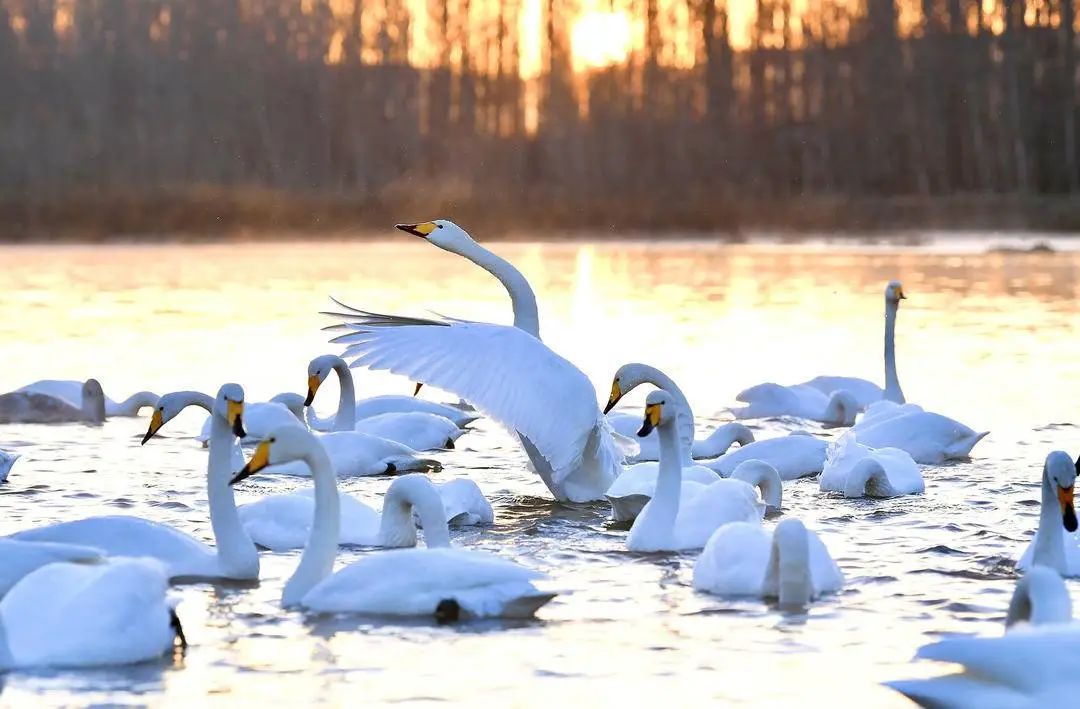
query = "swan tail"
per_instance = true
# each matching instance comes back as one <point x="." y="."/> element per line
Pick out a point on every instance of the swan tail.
<point x="627" y="507"/>
<point x="410" y="464"/>
<point x="526" y="606"/>
<point x="961" y="448"/>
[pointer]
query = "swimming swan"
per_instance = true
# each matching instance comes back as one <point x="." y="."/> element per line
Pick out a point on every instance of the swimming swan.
<point x="630" y="376"/>
<point x="506" y="372"/>
<point x="672" y="520"/>
<point x="33" y="407"/>
<point x="7" y="460"/>
<point x="859" y="471"/>
<point x="71" y="391"/>
<point x="80" y="615"/>
<point x="234" y="557"/>
<point x="436" y="581"/>
<point x="415" y="429"/>
<point x="19" y="558"/>
<point x="789" y="563"/>
<point x="794" y="456"/>
<point x="929" y="438"/>
<point x="1051" y="547"/>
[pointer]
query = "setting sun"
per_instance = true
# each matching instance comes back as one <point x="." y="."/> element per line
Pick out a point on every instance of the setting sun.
<point x="600" y="39"/>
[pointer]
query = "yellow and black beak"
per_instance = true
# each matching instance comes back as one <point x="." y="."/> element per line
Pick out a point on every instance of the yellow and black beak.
<point x="259" y="460"/>
<point x="652" y="419"/>
<point x="900" y="294"/>
<point x="313" y="384"/>
<point x="419" y="386"/>
<point x="1068" y="513"/>
<point x="421" y="230"/>
<point x="616" y="394"/>
<point x="235" y="416"/>
<point x="155" y="425"/>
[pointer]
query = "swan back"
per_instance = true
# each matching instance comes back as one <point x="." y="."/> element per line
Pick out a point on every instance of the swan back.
<point x="405" y="495"/>
<point x="293" y="402"/>
<point x="763" y="476"/>
<point x="1040" y="598"/>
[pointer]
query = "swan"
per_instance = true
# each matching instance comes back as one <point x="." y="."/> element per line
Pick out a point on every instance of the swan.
<point x="674" y="522"/>
<point x="184" y="556"/>
<point x="929" y="438"/>
<point x="349" y="411"/>
<point x="790" y="563"/>
<point x="71" y="391"/>
<point x="1051" y="546"/>
<point x="21" y="558"/>
<point x="32" y="407"/>
<point x="437" y="581"/>
<point x="7" y="460"/>
<point x="79" y="615"/>
<point x="859" y="471"/>
<point x="794" y="456"/>
<point x="505" y="372"/>
<point x="282" y="522"/>
<point x="630" y="376"/>
<point x="415" y="429"/>
<point x="815" y="399"/>
<point x="262" y="417"/>
<point x="1032" y="665"/>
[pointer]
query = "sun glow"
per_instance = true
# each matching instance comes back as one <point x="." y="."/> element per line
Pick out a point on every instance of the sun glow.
<point x="600" y="39"/>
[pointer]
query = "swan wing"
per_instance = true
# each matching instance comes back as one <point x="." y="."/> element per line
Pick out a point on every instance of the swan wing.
<point x="864" y="391"/>
<point x="21" y="558"/>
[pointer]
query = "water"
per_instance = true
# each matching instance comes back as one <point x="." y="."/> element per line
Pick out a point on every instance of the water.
<point x="990" y="339"/>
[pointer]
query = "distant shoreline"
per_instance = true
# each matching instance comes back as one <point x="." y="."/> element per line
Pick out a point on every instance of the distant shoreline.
<point x="213" y="214"/>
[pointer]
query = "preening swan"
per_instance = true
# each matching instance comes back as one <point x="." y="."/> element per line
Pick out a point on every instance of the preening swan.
<point x="927" y="437"/>
<point x="7" y="460"/>
<point x="437" y="581"/>
<point x="630" y="376"/>
<point x="88" y="615"/>
<point x="505" y="372"/>
<point x="184" y="556"/>
<point x="71" y="391"/>
<point x="796" y="455"/>
<point x="859" y="471"/>
<point x="1052" y="547"/>
<point x="676" y="518"/>
<point x="790" y="563"/>
<point x="33" y="407"/>
<point x="759" y="474"/>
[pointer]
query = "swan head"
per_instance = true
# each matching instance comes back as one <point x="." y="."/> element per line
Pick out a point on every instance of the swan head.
<point x="655" y="412"/>
<point x="1060" y="472"/>
<point x="626" y="378"/>
<point x="284" y="445"/>
<point x="442" y="232"/>
<point x="318" y="370"/>
<point x="229" y="404"/>
<point x="894" y="292"/>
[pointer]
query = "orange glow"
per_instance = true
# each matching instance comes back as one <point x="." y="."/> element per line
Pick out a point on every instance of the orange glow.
<point x="600" y="39"/>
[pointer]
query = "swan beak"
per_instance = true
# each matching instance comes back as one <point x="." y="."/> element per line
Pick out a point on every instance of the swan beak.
<point x="235" y="416"/>
<point x="900" y="294"/>
<point x="1068" y="513"/>
<point x="419" y="386"/>
<point x="259" y="460"/>
<point x="313" y="384"/>
<point x="616" y="394"/>
<point x="652" y="419"/>
<point x="155" y="425"/>
<point x="421" y="230"/>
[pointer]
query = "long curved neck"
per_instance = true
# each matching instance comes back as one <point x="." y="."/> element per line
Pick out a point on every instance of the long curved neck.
<point x="788" y="571"/>
<point x="763" y="477"/>
<point x="892" y="382"/>
<point x="662" y="511"/>
<point x="93" y="409"/>
<point x="1040" y="597"/>
<point x="522" y="297"/>
<point x="345" y="419"/>
<point x="865" y="478"/>
<point x="721" y="439"/>
<point x="131" y="405"/>
<point x="317" y="561"/>
<point x="397" y="528"/>
<point x="236" y="552"/>
<point x="683" y="412"/>
<point x="1048" y="549"/>
<point x="194" y="398"/>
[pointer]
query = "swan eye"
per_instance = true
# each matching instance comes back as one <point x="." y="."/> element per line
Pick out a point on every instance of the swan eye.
<point x="440" y="226"/>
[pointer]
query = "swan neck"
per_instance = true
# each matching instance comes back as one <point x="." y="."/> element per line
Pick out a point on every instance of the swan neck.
<point x="765" y="479"/>
<point x="1048" y="549"/>
<point x="131" y="405"/>
<point x="788" y="573"/>
<point x="1040" y="597"/>
<point x="683" y="412"/>
<point x="397" y="528"/>
<point x="236" y="553"/>
<point x="865" y="471"/>
<point x="522" y="297"/>
<point x="663" y="509"/>
<point x="93" y="409"/>
<point x="345" y="419"/>
<point x="195" y="398"/>
<point x="892" y="381"/>
<point x="721" y="439"/>
<point x="317" y="561"/>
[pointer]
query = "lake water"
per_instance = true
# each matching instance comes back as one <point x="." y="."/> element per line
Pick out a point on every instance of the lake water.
<point x="988" y="338"/>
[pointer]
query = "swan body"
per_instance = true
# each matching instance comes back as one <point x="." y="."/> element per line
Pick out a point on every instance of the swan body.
<point x="859" y="471"/>
<point x="794" y="456"/>
<point x="864" y="391"/>
<point x="417" y="430"/>
<point x="33" y="407"/>
<point x="770" y="400"/>
<point x="630" y="376"/>
<point x="20" y="558"/>
<point x="1055" y="545"/>
<point x="1040" y="598"/>
<point x="71" y="391"/>
<point x="436" y="581"/>
<point x="7" y="460"/>
<point x="789" y="563"/>
<point x="636" y="486"/>
<point x="674" y="522"/>
<point x="929" y="438"/>
<point x="399" y="403"/>
<point x="183" y="556"/>
<point x="355" y="454"/>
<point x="260" y="418"/>
<point x="78" y="615"/>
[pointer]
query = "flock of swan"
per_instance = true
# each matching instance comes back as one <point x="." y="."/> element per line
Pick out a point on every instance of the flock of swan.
<point x="94" y="591"/>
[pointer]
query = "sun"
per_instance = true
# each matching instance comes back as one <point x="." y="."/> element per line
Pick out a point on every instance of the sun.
<point x="600" y="39"/>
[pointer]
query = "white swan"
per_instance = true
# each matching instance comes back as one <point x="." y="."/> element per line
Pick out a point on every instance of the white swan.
<point x="1032" y="665"/>
<point x="674" y="522"/>
<point x="630" y="376"/>
<point x="283" y="522"/>
<point x="436" y="581"/>
<point x="349" y="411"/>
<point x="78" y="615"/>
<point x="929" y="438"/>
<point x="260" y="418"/>
<point x="859" y="471"/>
<point x="790" y="563"/>
<point x="796" y="455"/>
<point x="32" y="407"/>
<point x="235" y="556"/>
<point x="1051" y="547"/>
<point x="19" y="558"/>
<point x="71" y="391"/>
<point x="506" y="372"/>
<point x="7" y="460"/>
<point x="417" y="430"/>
